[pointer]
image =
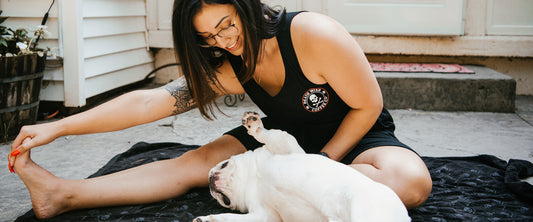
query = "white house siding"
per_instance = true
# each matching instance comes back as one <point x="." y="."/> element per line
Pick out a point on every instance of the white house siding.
<point x="103" y="42"/>
<point x="115" y="48"/>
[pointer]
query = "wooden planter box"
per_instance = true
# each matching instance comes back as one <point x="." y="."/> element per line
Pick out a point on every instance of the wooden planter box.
<point x="20" y="85"/>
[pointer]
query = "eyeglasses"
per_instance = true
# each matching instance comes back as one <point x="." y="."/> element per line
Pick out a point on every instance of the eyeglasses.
<point x="226" y="32"/>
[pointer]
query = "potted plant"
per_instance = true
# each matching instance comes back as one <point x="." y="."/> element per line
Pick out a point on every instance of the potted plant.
<point x="21" y="72"/>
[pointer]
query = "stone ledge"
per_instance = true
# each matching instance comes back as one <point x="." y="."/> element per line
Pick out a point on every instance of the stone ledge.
<point x="485" y="91"/>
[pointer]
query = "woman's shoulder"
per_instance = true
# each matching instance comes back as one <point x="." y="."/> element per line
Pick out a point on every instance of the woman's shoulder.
<point x="315" y="34"/>
<point x="316" y="26"/>
<point x="319" y="41"/>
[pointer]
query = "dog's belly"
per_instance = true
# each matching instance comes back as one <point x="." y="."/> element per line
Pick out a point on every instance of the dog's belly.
<point x="303" y="171"/>
<point x="323" y="189"/>
<point x="291" y="207"/>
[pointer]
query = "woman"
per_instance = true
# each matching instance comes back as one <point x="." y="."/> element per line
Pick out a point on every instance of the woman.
<point x="302" y="69"/>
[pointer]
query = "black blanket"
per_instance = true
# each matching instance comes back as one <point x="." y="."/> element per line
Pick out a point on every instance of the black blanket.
<point x="479" y="188"/>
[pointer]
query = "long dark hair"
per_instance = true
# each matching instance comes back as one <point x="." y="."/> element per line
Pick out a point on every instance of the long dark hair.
<point x="200" y="65"/>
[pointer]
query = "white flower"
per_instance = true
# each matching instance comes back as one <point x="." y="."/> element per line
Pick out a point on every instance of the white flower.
<point x="41" y="30"/>
<point x="21" y="46"/>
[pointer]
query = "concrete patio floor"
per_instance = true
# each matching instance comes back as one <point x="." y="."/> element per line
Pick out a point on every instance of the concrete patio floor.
<point x="505" y="135"/>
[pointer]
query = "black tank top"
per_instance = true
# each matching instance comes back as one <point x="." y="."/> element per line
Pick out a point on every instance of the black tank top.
<point x="299" y="102"/>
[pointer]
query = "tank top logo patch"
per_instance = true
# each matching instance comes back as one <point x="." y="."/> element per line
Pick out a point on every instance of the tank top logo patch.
<point x="315" y="99"/>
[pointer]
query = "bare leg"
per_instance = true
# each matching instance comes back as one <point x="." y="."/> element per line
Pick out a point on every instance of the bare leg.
<point x="400" y="169"/>
<point x="152" y="182"/>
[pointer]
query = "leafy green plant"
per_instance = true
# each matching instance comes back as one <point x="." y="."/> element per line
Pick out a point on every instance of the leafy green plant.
<point x="17" y="41"/>
<point x="4" y="31"/>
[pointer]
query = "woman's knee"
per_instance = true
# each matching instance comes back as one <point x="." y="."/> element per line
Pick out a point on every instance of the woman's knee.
<point x="411" y="181"/>
<point x="402" y="170"/>
<point x="415" y="188"/>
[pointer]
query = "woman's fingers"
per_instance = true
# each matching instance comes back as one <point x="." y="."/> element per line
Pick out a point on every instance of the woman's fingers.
<point x="29" y="137"/>
<point x="26" y="145"/>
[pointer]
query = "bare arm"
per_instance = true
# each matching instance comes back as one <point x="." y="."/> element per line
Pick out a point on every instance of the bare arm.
<point x="339" y="61"/>
<point x="131" y="109"/>
<point x="179" y="91"/>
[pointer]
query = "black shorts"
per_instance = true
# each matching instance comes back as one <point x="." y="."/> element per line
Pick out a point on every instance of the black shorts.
<point x="312" y="138"/>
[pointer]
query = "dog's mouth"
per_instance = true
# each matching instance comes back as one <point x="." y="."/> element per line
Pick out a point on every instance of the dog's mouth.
<point x="212" y="186"/>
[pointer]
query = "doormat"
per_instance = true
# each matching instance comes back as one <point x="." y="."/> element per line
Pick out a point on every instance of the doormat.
<point x="420" y="67"/>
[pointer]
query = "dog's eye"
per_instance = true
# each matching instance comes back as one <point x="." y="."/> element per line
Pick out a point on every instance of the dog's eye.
<point x="224" y="165"/>
<point x="226" y="200"/>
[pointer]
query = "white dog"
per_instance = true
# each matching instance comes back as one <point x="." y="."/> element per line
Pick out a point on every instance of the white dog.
<point x="279" y="182"/>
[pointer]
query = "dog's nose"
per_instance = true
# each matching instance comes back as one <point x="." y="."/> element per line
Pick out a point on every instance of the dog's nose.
<point x="212" y="179"/>
<point x="211" y="183"/>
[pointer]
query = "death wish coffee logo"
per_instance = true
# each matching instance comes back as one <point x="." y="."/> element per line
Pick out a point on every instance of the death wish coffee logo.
<point x="315" y="99"/>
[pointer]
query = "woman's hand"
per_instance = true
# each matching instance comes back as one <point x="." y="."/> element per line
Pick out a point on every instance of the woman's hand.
<point x="29" y="137"/>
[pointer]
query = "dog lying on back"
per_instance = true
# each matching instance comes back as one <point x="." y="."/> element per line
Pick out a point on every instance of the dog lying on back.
<point x="279" y="182"/>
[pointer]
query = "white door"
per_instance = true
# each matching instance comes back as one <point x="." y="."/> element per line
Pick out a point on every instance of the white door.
<point x="399" y="17"/>
<point x="510" y="17"/>
<point x="290" y="5"/>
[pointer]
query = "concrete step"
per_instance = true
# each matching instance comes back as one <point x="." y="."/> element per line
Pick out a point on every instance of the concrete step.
<point x="484" y="91"/>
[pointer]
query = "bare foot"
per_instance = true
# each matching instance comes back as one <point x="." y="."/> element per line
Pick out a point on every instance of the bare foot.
<point x="46" y="198"/>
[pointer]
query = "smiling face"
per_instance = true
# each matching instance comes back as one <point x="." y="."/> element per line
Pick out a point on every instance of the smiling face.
<point x="214" y="18"/>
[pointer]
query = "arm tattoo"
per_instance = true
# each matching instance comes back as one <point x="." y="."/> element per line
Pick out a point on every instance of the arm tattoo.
<point x="179" y="90"/>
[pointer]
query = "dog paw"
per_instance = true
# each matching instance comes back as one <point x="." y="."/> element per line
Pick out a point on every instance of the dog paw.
<point x="200" y="219"/>
<point x="252" y="122"/>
